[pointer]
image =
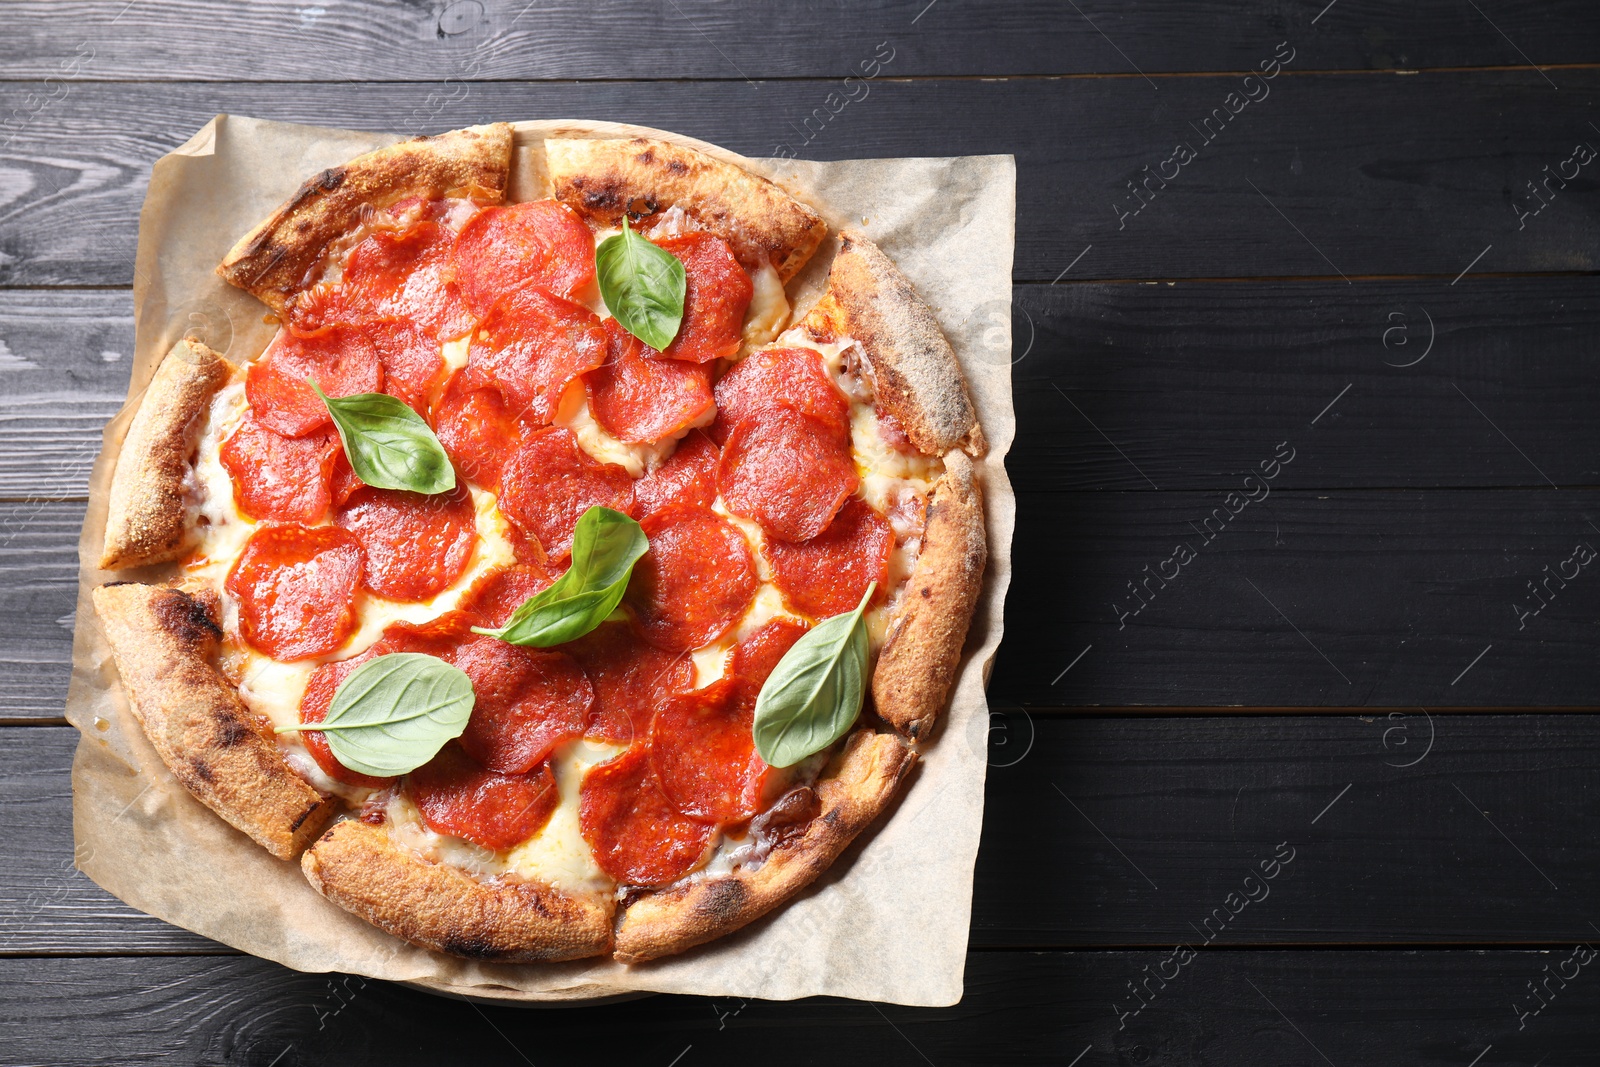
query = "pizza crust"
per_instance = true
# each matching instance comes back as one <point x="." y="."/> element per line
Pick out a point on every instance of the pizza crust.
<point x="914" y="371"/>
<point x="274" y="260"/>
<point x="358" y="867"/>
<point x="163" y="641"/>
<point x="922" y="649"/>
<point x="603" y="179"/>
<point x="854" y="789"/>
<point x="148" y="518"/>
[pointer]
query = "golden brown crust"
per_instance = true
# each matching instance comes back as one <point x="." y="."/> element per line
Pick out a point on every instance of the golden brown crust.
<point x="852" y="791"/>
<point x="163" y="641"/>
<point x="915" y="373"/>
<point x="602" y="179"/>
<point x="922" y="650"/>
<point x="147" y="517"/>
<point x="274" y="260"/>
<point x="359" y="868"/>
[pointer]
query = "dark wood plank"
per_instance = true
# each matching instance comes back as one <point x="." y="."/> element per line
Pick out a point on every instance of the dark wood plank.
<point x="1306" y="599"/>
<point x="38" y="592"/>
<point x="499" y="39"/>
<point x="1406" y="175"/>
<point x="1249" y="1010"/>
<point x="1192" y="804"/>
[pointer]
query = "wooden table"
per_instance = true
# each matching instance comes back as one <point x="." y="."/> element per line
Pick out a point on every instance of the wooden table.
<point x="1321" y="788"/>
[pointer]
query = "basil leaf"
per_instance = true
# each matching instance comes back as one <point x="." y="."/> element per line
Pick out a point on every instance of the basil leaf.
<point x="394" y="713"/>
<point x="813" y="696"/>
<point x="605" y="546"/>
<point x="388" y="444"/>
<point x="643" y="285"/>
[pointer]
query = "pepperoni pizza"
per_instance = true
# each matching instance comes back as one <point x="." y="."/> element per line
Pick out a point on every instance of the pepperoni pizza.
<point x="605" y="795"/>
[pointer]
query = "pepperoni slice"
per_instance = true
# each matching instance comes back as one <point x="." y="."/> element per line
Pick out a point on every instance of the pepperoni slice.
<point x="638" y="837"/>
<point x="314" y="707"/>
<point x="716" y="297"/>
<point x="337" y="358"/>
<point x="344" y="479"/>
<point x="458" y="797"/>
<point x="637" y="398"/>
<point x="827" y="575"/>
<point x="689" y="475"/>
<point x="310" y="311"/>
<point x="415" y="545"/>
<point x="630" y="677"/>
<point x="792" y="378"/>
<point x="528" y="701"/>
<point x="407" y="275"/>
<point x="476" y="429"/>
<point x="412" y="364"/>
<point x="532" y="345"/>
<point x="495" y="596"/>
<point x="549" y="484"/>
<point x="753" y="659"/>
<point x="788" y="472"/>
<point x="278" y="477"/>
<point x="696" y="580"/>
<point x="296" y="587"/>
<point x="539" y="242"/>
<point x="704" y="754"/>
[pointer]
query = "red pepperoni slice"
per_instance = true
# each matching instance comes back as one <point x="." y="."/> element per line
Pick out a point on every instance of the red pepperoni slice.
<point x="412" y="364"/>
<point x="313" y="310"/>
<point x="637" y="835"/>
<point x="314" y="708"/>
<point x="549" y="484"/>
<point x="704" y="754"/>
<point x="689" y="476"/>
<point x="458" y="797"/>
<point x="344" y="480"/>
<point x="278" y="477"/>
<point x="696" y="580"/>
<point x="716" y="297"/>
<point x="528" y="701"/>
<point x="827" y="575"/>
<point x="415" y="545"/>
<point x="788" y="472"/>
<point x="752" y="660"/>
<point x="532" y="345"/>
<point x="540" y="242"/>
<point x="630" y="677"/>
<point x="407" y="275"/>
<point x="495" y="596"/>
<point x="476" y="429"/>
<point x="296" y="587"/>
<point x="338" y="358"/>
<point x="637" y="398"/>
<point x="792" y="378"/>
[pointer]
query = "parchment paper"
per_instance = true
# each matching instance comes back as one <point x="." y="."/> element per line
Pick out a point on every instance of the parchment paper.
<point x="889" y="921"/>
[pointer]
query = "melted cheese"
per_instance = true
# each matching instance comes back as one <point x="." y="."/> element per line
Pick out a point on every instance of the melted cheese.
<point x="769" y="308"/>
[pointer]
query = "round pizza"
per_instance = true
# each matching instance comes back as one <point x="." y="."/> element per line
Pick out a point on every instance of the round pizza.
<point x="547" y="586"/>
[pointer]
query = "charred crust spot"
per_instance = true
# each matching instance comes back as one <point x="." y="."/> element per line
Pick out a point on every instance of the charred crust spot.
<point x="184" y="618"/>
<point x="647" y="157"/>
<point x="925" y="592"/>
<point x="331" y="179"/>
<point x="677" y="166"/>
<point x="470" y="946"/>
<point x="113" y="585"/>
<point x="230" y="731"/>
<point x="724" y="900"/>
<point x="202" y="770"/>
<point x="304" y="815"/>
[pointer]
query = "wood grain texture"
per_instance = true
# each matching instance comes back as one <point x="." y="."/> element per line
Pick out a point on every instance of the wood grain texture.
<point x="280" y="40"/>
<point x="38" y="594"/>
<point x="1406" y="175"/>
<point x="1193" y="804"/>
<point x="1260" y="1009"/>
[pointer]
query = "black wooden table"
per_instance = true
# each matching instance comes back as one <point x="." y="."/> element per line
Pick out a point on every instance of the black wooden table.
<point x="1295" y="755"/>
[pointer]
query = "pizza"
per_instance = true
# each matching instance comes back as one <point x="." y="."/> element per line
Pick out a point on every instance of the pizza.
<point x="549" y="586"/>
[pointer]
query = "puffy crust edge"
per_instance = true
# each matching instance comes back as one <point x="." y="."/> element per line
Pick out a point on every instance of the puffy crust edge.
<point x="358" y="867"/>
<point x="603" y="179"/>
<point x="853" y="790"/>
<point x="915" y="373"/>
<point x="147" y="514"/>
<point x="922" y="651"/>
<point x="272" y="261"/>
<point x="163" y="641"/>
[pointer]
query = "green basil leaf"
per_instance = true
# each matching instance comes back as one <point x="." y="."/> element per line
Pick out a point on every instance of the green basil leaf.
<point x="388" y="444"/>
<point x="814" y="694"/>
<point x="394" y="713"/>
<point x="643" y="285"/>
<point x="605" y="546"/>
